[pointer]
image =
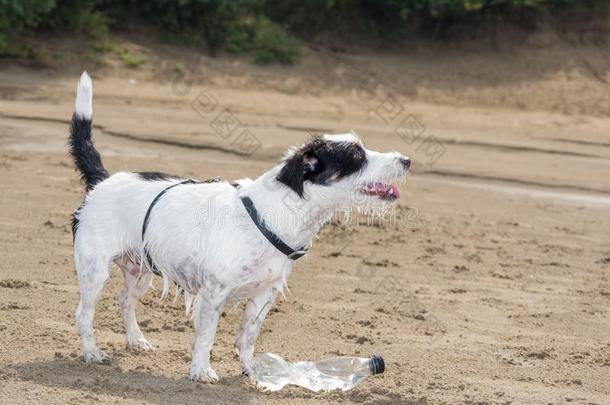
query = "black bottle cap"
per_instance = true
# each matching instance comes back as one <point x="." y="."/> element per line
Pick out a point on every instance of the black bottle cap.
<point x="377" y="365"/>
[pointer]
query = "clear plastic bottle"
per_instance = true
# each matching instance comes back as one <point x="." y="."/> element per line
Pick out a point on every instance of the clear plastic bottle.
<point x="271" y="372"/>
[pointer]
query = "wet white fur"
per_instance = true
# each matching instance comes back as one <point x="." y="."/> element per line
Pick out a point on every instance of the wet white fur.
<point x="201" y="238"/>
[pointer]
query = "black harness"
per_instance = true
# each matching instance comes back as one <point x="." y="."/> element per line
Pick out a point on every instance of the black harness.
<point x="249" y="206"/>
<point x="271" y="237"/>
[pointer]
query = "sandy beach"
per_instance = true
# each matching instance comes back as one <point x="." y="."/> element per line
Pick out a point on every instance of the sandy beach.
<point x="488" y="284"/>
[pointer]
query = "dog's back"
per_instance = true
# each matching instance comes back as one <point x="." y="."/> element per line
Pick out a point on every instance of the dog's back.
<point x="109" y="222"/>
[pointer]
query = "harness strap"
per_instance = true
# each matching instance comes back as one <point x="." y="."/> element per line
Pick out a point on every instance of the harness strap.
<point x="149" y="261"/>
<point x="271" y="237"/>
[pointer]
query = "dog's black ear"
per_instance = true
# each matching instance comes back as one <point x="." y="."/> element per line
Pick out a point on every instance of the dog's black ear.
<point x="292" y="174"/>
<point x="295" y="170"/>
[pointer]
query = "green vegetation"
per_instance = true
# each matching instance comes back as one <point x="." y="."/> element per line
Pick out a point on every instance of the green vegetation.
<point x="18" y="16"/>
<point x="271" y="44"/>
<point x="129" y="59"/>
<point x="437" y="19"/>
<point x="267" y="29"/>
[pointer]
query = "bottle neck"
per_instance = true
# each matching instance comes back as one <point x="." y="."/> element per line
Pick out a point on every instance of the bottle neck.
<point x="376" y="364"/>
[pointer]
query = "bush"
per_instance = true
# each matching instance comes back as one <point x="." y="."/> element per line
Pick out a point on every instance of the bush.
<point x="271" y="43"/>
<point x="17" y="16"/>
<point x="235" y="25"/>
<point x="21" y="17"/>
<point x="77" y="16"/>
<point x="264" y="28"/>
<point x="394" y="18"/>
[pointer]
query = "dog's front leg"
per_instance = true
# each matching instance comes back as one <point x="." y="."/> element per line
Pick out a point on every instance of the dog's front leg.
<point x="252" y="320"/>
<point x="211" y="303"/>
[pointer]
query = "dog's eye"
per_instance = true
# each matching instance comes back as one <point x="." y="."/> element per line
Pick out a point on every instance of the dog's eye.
<point x="359" y="153"/>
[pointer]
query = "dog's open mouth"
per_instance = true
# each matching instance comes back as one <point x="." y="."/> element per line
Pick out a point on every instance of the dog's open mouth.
<point x="388" y="192"/>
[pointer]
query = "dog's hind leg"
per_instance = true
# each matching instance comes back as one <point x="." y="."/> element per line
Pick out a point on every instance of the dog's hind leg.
<point x="137" y="281"/>
<point x="92" y="272"/>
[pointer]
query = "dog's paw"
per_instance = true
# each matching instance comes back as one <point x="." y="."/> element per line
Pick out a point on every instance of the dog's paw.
<point x="246" y="366"/>
<point x="206" y="375"/>
<point x="245" y="362"/>
<point x="140" y="344"/>
<point x="245" y="371"/>
<point x="96" y="356"/>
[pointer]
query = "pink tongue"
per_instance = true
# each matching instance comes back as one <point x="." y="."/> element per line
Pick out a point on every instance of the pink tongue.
<point x="383" y="189"/>
<point x="380" y="188"/>
<point x="395" y="190"/>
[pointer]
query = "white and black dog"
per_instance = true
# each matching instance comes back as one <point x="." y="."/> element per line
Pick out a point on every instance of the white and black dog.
<point x="215" y="240"/>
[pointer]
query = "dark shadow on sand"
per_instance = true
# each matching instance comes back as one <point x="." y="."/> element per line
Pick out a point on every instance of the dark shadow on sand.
<point x="139" y="385"/>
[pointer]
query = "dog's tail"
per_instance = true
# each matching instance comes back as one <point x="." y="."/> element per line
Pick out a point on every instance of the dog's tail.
<point x="86" y="158"/>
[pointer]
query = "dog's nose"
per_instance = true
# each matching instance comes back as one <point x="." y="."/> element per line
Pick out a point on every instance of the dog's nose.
<point x="405" y="161"/>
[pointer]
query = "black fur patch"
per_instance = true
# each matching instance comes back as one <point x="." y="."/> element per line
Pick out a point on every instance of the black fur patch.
<point x="75" y="221"/>
<point x="156" y="176"/>
<point x="321" y="162"/>
<point x="74" y="226"/>
<point x="86" y="158"/>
